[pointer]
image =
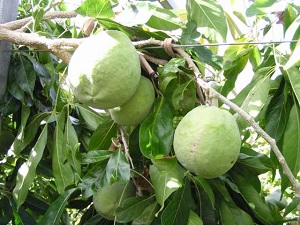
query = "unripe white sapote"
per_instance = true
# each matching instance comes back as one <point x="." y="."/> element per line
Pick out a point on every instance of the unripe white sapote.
<point x="104" y="71"/>
<point x="108" y="198"/>
<point x="207" y="141"/>
<point x="138" y="107"/>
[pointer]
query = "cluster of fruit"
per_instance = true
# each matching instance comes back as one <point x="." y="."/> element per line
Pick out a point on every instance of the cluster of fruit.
<point x="105" y="73"/>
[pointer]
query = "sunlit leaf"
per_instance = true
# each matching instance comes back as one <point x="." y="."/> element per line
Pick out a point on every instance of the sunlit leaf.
<point x="209" y="17"/>
<point x="294" y="79"/>
<point x="96" y="9"/>
<point x="94" y="156"/>
<point x="166" y="179"/>
<point x="26" y="173"/>
<point x="194" y="219"/>
<point x="259" y="7"/>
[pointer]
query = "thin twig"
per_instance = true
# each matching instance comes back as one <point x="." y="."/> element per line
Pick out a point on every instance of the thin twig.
<point x="126" y="148"/>
<point x="155" y="60"/>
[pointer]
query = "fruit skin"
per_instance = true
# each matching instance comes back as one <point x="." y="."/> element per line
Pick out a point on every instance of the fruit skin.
<point x="108" y="198"/>
<point x="207" y="141"/>
<point x="104" y="71"/>
<point x="138" y="107"/>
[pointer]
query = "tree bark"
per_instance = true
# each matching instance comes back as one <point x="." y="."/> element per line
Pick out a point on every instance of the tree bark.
<point x="8" y="12"/>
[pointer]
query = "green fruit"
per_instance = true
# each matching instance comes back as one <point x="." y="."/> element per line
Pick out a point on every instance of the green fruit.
<point x="108" y="198"/>
<point x="207" y="141"/>
<point x="138" y="107"/>
<point x="104" y="71"/>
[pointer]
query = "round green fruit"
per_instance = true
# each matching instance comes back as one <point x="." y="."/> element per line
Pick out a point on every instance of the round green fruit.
<point x="138" y="107"/>
<point x="207" y="141"/>
<point x="108" y="198"/>
<point x="104" y="70"/>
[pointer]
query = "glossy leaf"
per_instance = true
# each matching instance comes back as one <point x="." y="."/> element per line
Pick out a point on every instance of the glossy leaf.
<point x="25" y="75"/>
<point x="291" y="140"/>
<point x="209" y="17"/>
<point x="194" y="219"/>
<point x="136" y="13"/>
<point x="206" y="188"/>
<point x="131" y="208"/>
<point x="184" y="96"/>
<point x="101" y="138"/>
<point x="26" y="173"/>
<point x="56" y="209"/>
<point x="156" y="132"/>
<point x="257" y="163"/>
<point x="177" y="211"/>
<point x="258" y="205"/>
<point x="259" y="7"/>
<point x="147" y="216"/>
<point x="294" y="58"/>
<point x="94" y="156"/>
<point x="230" y="214"/>
<point x="164" y="19"/>
<point x="96" y="9"/>
<point x="166" y="178"/>
<point x="62" y="170"/>
<point x="294" y="79"/>
<point x="92" y="119"/>
<point x="118" y="168"/>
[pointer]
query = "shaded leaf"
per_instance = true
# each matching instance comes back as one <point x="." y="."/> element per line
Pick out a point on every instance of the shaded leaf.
<point x="117" y="168"/>
<point x="177" y="211"/>
<point x="291" y="142"/>
<point x="147" y="216"/>
<point x="101" y="138"/>
<point x="92" y="119"/>
<point x="94" y="156"/>
<point x="206" y="188"/>
<point x="209" y="17"/>
<point x="194" y="219"/>
<point x="156" y="132"/>
<point x="131" y="208"/>
<point x="56" y="209"/>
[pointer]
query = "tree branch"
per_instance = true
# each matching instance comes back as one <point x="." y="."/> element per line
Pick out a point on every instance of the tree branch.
<point x="14" y="25"/>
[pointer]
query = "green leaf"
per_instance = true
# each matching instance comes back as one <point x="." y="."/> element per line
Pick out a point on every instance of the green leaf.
<point x="294" y="58"/>
<point x="166" y="178"/>
<point x="194" y="219"/>
<point x="257" y="163"/>
<point x="27" y="171"/>
<point x="255" y="99"/>
<point x="156" y="132"/>
<point x="292" y="206"/>
<point x="209" y="17"/>
<point x="230" y="214"/>
<point x="92" y="119"/>
<point x="256" y="202"/>
<point x="96" y="9"/>
<point x="291" y="140"/>
<point x="164" y="19"/>
<point x="177" y="211"/>
<point x="147" y="216"/>
<point x="277" y="113"/>
<point x="57" y="208"/>
<point x="136" y="13"/>
<point x="94" y="156"/>
<point x="184" y="96"/>
<point x="131" y="208"/>
<point x="62" y="170"/>
<point x="206" y="188"/>
<point x="25" y="75"/>
<point x="294" y="79"/>
<point x="118" y="168"/>
<point x="259" y="7"/>
<point x="24" y="138"/>
<point x="101" y="138"/>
